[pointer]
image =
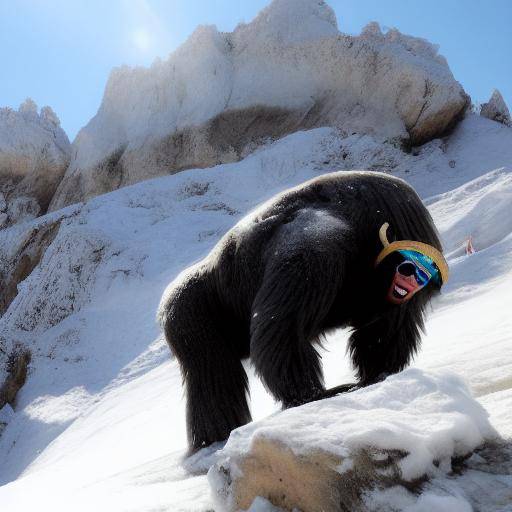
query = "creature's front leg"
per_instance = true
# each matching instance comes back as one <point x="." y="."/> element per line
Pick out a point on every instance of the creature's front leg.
<point x="381" y="348"/>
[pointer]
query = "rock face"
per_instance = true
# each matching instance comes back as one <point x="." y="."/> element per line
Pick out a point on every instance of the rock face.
<point x="219" y="95"/>
<point x="34" y="154"/>
<point x="46" y="273"/>
<point x="496" y="109"/>
<point x="21" y="255"/>
<point x="326" y="455"/>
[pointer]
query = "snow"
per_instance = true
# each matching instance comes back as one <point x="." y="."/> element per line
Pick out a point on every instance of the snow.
<point x="100" y="422"/>
<point x="429" y="416"/>
<point x="398" y="498"/>
<point x="101" y="418"/>
<point x="472" y="208"/>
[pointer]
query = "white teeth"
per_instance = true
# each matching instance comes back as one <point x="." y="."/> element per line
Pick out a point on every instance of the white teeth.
<point x="401" y="291"/>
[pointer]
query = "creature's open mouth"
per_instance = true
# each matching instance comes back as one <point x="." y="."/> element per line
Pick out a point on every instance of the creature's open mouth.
<point x="399" y="292"/>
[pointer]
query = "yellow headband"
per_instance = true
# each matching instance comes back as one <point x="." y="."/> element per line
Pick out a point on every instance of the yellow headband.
<point x="411" y="245"/>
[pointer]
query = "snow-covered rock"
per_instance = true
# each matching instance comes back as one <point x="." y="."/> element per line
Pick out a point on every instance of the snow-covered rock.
<point x="34" y="154"/>
<point x="325" y="455"/>
<point x="220" y="95"/>
<point x="496" y="109"/>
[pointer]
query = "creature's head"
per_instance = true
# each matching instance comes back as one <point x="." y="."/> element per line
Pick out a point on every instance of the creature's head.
<point x="408" y="267"/>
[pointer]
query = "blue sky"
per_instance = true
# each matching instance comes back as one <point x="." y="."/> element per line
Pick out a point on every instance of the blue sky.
<point x="60" y="52"/>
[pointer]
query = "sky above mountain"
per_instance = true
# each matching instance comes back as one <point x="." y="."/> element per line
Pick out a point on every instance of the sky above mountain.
<point x="60" y="53"/>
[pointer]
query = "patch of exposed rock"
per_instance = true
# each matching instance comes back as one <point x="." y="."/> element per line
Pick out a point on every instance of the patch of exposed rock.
<point x="220" y="95"/>
<point x="17" y="367"/>
<point x="21" y="256"/>
<point x="328" y="455"/>
<point x="54" y="269"/>
<point x="34" y="155"/>
<point x="496" y="109"/>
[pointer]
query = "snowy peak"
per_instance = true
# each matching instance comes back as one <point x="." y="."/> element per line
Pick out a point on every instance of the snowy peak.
<point x="290" y="22"/>
<point x="221" y="95"/>
<point x="28" y="122"/>
<point x="34" y="154"/>
<point x="28" y="110"/>
<point x="496" y="109"/>
<point x="415" y="45"/>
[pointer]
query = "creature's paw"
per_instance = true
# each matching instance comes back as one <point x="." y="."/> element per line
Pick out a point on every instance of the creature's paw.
<point x="313" y="396"/>
<point x="321" y="394"/>
<point x="368" y="382"/>
<point x="342" y="388"/>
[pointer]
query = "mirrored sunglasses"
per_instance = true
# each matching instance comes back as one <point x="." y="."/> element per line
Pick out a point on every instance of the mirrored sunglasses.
<point x="408" y="268"/>
<point x="421" y="266"/>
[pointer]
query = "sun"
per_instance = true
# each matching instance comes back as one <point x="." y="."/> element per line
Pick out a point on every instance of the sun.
<point x="141" y="39"/>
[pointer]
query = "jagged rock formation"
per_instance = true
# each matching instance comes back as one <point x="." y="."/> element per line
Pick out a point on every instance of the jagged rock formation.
<point x="220" y="95"/>
<point x="496" y="109"/>
<point x="328" y="454"/>
<point x="34" y="154"/>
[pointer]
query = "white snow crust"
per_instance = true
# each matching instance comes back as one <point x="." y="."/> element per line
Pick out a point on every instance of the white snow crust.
<point x="431" y="417"/>
<point x="100" y="422"/>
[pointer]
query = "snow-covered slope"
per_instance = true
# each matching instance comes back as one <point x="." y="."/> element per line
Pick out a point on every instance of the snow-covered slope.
<point x="100" y="422"/>
<point x="34" y="154"/>
<point x="220" y="95"/>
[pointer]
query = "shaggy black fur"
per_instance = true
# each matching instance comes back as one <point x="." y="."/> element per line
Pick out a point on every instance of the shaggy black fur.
<point x="300" y="265"/>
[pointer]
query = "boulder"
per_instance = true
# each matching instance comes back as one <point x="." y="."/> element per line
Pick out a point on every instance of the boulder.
<point x="326" y="455"/>
<point x="221" y="95"/>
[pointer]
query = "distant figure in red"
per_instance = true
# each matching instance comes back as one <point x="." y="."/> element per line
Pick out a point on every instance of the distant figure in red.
<point x="469" y="246"/>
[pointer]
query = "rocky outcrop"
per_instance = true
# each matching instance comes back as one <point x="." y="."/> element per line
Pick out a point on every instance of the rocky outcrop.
<point x="328" y="454"/>
<point x="17" y="367"/>
<point x="34" y="155"/>
<point x="54" y="270"/>
<point x="220" y="95"/>
<point x="496" y="109"/>
<point x="21" y="256"/>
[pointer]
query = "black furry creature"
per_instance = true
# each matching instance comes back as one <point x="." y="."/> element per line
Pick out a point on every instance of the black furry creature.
<point x="300" y="265"/>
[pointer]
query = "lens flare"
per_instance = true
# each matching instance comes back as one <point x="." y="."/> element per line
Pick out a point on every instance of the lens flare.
<point x="141" y="39"/>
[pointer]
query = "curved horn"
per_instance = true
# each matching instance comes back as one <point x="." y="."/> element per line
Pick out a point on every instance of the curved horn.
<point x="382" y="234"/>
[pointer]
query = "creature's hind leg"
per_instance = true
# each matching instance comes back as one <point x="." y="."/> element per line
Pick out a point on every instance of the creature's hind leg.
<point x="215" y="381"/>
<point x="287" y="317"/>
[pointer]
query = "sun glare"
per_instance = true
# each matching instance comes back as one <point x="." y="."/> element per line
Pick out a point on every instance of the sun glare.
<point x="141" y="39"/>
